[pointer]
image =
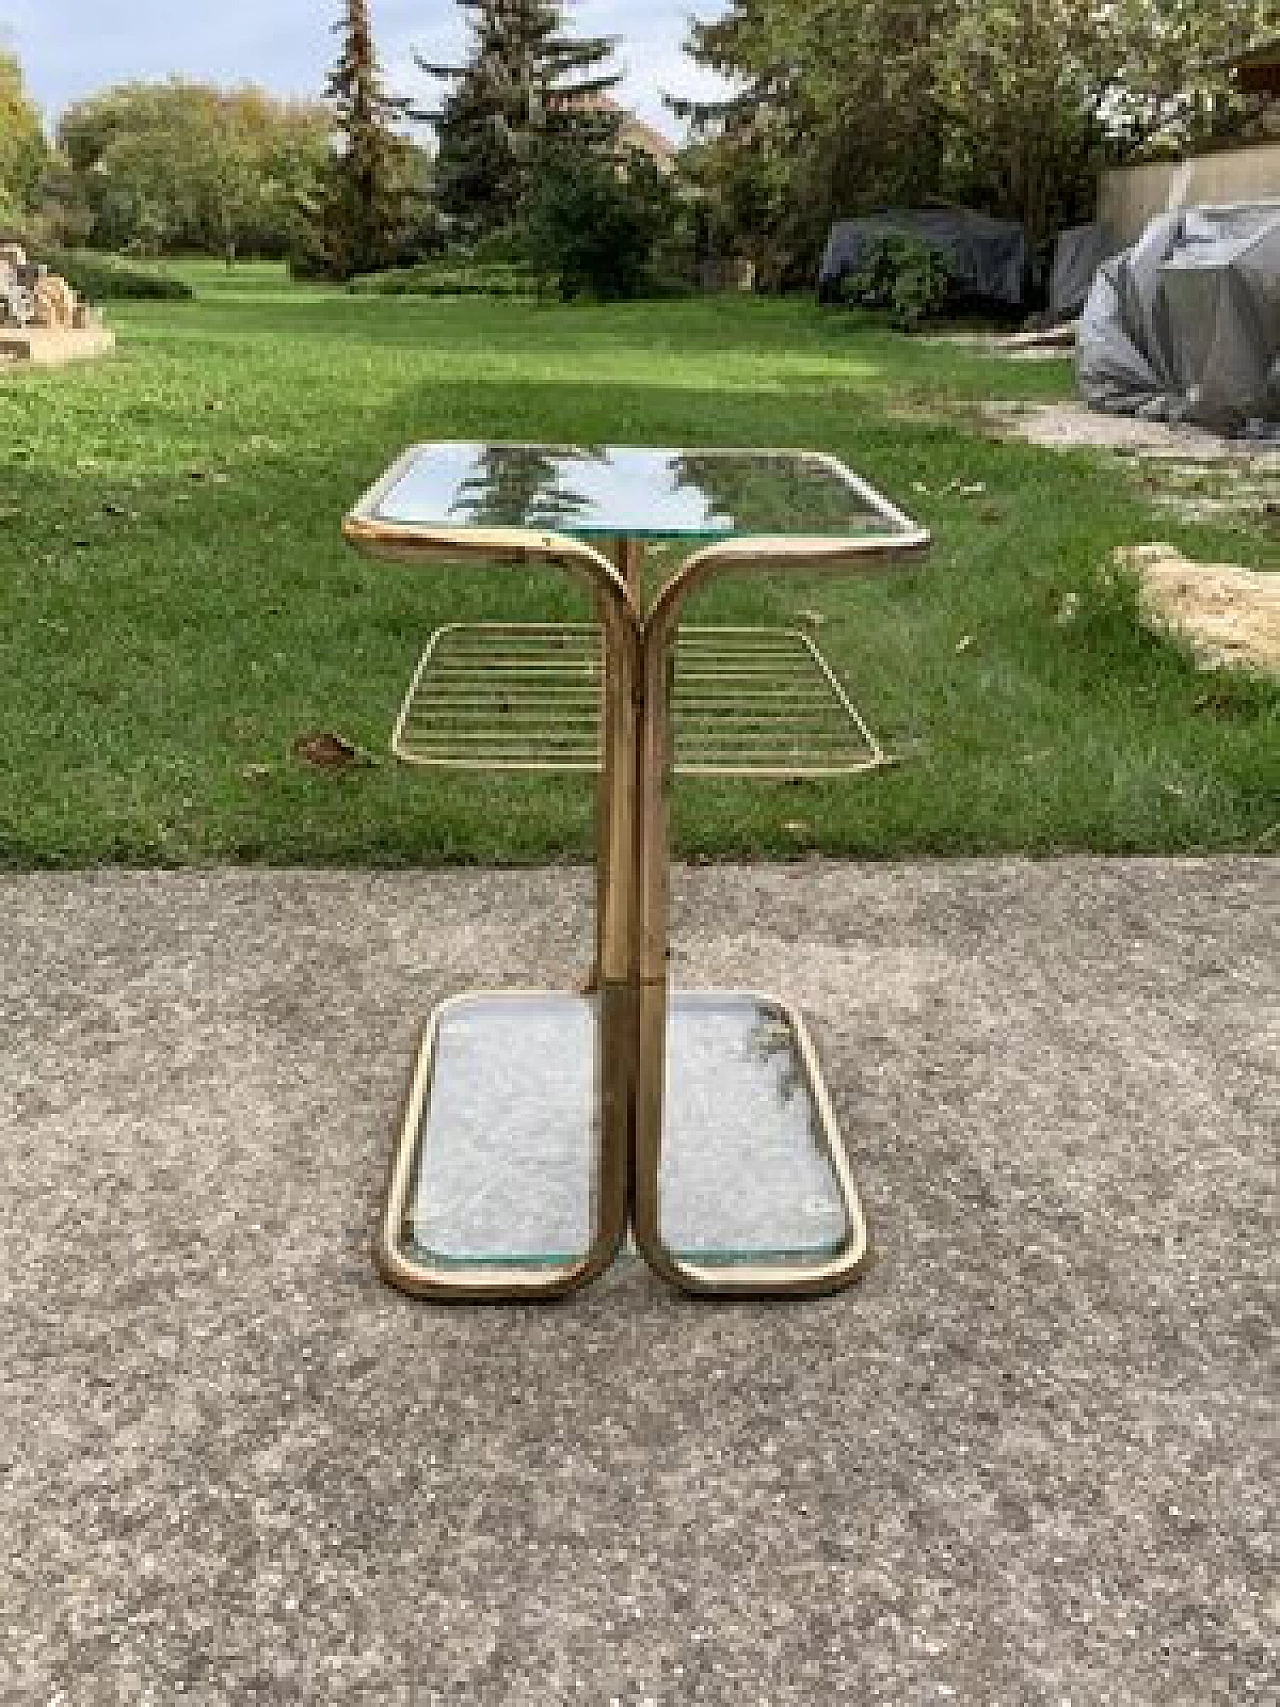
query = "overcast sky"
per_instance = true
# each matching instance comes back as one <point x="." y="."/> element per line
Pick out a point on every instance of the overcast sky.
<point x="70" y="47"/>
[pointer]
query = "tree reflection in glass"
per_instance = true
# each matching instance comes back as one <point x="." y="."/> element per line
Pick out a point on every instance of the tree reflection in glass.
<point x="763" y="493"/>
<point x="520" y="486"/>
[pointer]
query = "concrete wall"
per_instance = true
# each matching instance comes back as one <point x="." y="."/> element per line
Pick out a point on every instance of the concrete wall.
<point x="1130" y="199"/>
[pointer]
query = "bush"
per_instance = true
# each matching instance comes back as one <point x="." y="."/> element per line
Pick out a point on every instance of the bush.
<point x="103" y="278"/>
<point x="595" y="230"/>
<point x="902" y="276"/>
<point x="450" y="276"/>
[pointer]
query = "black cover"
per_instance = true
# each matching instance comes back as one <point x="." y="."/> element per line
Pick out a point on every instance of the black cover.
<point x="1185" y="326"/>
<point x="988" y="258"/>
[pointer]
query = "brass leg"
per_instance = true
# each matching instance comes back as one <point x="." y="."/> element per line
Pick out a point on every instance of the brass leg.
<point x="616" y="912"/>
<point x="628" y="558"/>
<point x="790" y="1277"/>
<point x="616" y="935"/>
<point x="653" y="769"/>
<point x="618" y="872"/>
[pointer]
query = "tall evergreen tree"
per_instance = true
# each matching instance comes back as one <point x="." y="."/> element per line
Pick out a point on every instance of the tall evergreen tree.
<point x="526" y="85"/>
<point x="364" y="204"/>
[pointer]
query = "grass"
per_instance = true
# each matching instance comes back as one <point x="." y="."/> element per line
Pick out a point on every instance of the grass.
<point x="176" y="606"/>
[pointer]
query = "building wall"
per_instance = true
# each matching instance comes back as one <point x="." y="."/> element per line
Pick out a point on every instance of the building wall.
<point x="1128" y="200"/>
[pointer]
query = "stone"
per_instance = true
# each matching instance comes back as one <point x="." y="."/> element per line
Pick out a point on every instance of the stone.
<point x="1230" y="615"/>
<point x="43" y="346"/>
<point x="55" y="304"/>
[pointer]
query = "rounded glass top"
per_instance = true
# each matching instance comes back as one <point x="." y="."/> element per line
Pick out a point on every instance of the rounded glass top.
<point x="629" y="491"/>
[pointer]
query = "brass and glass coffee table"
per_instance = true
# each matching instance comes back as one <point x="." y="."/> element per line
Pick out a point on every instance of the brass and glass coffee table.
<point x="541" y="1129"/>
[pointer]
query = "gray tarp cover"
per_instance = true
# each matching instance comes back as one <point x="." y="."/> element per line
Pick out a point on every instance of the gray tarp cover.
<point x="1077" y="256"/>
<point x="988" y="257"/>
<point x="1185" y="326"/>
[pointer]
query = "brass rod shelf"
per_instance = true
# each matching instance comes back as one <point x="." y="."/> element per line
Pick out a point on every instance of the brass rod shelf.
<point x="747" y="703"/>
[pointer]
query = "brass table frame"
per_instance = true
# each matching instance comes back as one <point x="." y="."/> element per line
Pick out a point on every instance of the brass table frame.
<point x="632" y="899"/>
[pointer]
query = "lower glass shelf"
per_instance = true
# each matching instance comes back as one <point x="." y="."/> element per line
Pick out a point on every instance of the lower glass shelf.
<point x="759" y="702"/>
<point x="503" y="1167"/>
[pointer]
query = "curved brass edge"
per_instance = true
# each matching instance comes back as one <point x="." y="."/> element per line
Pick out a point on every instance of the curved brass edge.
<point x="488" y="1283"/>
<point x="661" y="631"/>
<point x="746" y="556"/>
<point x="775" y="1280"/>
<point x="412" y="544"/>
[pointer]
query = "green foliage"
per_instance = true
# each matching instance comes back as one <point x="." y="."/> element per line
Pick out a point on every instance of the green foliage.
<point x="594" y="229"/>
<point x="903" y="277"/>
<point x="367" y="185"/>
<point x="176" y="166"/>
<point x="103" y="278"/>
<point x="449" y="276"/>
<point x="1002" y="105"/>
<point x="527" y="86"/>
<point x="23" y="151"/>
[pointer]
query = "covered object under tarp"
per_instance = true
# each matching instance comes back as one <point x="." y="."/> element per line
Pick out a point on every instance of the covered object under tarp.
<point x="1185" y="326"/>
<point x="1077" y="255"/>
<point x="988" y="258"/>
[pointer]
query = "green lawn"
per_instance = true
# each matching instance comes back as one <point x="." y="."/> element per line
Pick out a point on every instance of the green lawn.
<point x="176" y="605"/>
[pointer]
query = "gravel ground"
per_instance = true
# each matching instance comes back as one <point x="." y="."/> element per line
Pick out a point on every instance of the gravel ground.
<point x="1030" y="1459"/>
<point x="1074" y="426"/>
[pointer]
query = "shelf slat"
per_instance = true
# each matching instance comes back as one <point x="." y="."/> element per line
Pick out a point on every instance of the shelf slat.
<point x="747" y="703"/>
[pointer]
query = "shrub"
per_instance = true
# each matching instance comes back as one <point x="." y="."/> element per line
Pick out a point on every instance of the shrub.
<point x="902" y="276"/>
<point x="594" y="228"/>
<point x="450" y="276"/>
<point x="103" y="278"/>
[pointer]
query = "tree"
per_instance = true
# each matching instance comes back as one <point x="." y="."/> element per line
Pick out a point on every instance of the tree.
<point x="363" y="208"/>
<point x="593" y="228"/>
<point x="177" y="165"/>
<point x="527" y="87"/>
<point x="1009" y="105"/>
<point x="23" y="150"/>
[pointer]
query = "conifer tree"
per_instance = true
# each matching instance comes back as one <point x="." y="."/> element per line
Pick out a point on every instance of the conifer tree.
<point x="526" y="85"/>
<point x="364" y="204"/>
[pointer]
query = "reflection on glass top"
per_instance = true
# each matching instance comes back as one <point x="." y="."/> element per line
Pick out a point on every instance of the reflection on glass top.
<point x="505" y="1164"/>
<point x="620" y="492"/>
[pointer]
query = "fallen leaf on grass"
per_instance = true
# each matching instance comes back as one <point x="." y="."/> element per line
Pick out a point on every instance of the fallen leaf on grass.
<point x="1068" y="610"/>
<point x="329" y="752"/>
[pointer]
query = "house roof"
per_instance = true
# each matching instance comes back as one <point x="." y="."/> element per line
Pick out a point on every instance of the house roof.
<point x="1257" y="70"/>
<point x="1265" y="53"/>
<point x="634" y="129"/>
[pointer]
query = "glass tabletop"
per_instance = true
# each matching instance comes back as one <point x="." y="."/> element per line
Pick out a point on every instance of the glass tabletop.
<point x="632" y="492"/>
